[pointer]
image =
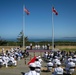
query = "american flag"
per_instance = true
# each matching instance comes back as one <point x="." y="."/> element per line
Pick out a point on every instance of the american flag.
<point x="27" y="12"/>
<point x="53" y="10"/>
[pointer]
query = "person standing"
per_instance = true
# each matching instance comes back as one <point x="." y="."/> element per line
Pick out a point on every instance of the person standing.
<point x="48" y="46"/>
<point x="43" y="47"/>
<point x="30" y="46"/>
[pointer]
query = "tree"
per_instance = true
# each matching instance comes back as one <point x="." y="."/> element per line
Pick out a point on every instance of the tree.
<point x="20" y="38"/>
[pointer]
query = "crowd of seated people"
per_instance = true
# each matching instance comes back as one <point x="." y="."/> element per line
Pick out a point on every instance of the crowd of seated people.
<point x="63" y="62"/>
<point x="10" y="57"/>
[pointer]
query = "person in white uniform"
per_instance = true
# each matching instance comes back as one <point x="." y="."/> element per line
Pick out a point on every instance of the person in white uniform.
<point x="74" y="59"/>
<point x="39" y="58"/>
<point x="5" y="60"/>
<point x="13" y="61"/>
<point x="3" y="51"/>
<point x="38" y="69"/>
<point x="36" y="47"/>
<point x="70" y="67"/>
<point x="45" y="55"/>
<point x="49" y="65"/>
<point x="43" y="47"/>
<point x="32" y="71"/>
<point x="37" y="62"/>
<point x="56" y="60"/>
<point x="58" y="70"/>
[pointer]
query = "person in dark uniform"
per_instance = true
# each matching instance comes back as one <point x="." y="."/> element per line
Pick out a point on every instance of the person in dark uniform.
<point x="54" y="45"/>
<point x="20" y="46"/>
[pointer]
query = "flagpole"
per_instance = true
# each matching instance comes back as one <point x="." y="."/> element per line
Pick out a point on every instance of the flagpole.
<point x="23" y="28"/>
<point x="52" y="32"/>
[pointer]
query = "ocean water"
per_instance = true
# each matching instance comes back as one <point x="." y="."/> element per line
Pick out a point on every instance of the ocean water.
<point x="57" y="39"/>
<point x="49" y="39"/>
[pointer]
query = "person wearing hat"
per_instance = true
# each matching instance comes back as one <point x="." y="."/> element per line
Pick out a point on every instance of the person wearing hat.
<point x="49" y="65"/>
<point x="38" y="69"/>
<point x="48" y="46"/>
<point x="58" y="70"/>
<point x="39" y="58"/>
<point x="5" y="59"/>
<point x="12" y="60"/>
<point x="55" y="61"/>
<point x="32" y="71"/>
<point x="70" y="67"/>
<point x="74" y="59"/>
<point x="37" y="62"/>
<point x="30" y="46"/>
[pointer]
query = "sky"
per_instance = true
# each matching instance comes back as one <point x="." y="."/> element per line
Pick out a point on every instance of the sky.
<point x="38" y="24"/>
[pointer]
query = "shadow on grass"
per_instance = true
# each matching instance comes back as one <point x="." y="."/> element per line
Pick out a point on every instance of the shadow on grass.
<point x="22" y="73"/>
<point x="45" y="71"/>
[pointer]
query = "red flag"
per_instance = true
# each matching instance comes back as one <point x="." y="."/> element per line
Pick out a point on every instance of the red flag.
<point x="53" y="10"/>
<point x="32" y="60"/>
<point x="27" y="12"/>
